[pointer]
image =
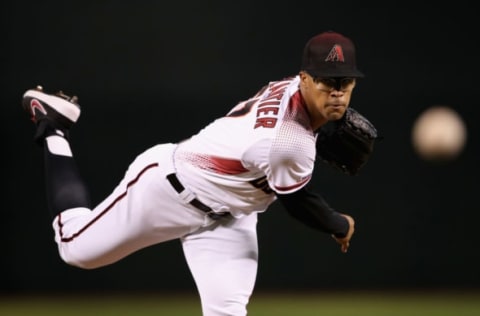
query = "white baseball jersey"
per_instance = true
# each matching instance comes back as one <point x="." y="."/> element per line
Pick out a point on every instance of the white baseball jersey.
<point x="264" y="143"/>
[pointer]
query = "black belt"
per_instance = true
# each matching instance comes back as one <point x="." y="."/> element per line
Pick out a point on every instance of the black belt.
<point x="172" y="178"/>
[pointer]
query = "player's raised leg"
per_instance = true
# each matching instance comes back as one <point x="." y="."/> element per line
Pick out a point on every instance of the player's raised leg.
<point x="223" y="260"/>
<point x="142" y="210"/>
<point x="54" y="115"/>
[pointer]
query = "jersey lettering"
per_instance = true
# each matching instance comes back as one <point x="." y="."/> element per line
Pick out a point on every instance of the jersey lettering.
<point x="267" y="113"/>
<point x="267" y="122"/>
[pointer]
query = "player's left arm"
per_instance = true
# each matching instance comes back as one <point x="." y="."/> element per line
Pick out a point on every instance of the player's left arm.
<point x="311" y="209"/>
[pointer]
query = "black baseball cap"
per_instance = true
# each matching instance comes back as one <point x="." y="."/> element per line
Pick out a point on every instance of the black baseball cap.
<point x="330" y="54"/>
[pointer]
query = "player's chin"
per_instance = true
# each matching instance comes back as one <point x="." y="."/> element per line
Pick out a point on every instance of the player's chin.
<point x="335" y="112"/>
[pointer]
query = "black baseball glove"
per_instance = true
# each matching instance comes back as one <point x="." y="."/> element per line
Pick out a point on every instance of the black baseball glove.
<point x="347" y="144"/>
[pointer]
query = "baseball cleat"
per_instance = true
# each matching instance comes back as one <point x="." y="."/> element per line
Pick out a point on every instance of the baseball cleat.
<point x="60" y="109"/>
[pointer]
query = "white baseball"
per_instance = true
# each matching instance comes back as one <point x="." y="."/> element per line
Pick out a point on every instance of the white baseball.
<point x="439" y="133"/>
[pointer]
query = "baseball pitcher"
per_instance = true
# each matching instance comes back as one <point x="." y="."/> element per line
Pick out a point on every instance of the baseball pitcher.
<point x="207" y="190"/>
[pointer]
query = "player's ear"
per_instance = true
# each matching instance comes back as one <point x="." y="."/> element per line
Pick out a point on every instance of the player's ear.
<point x="304" y="76"/>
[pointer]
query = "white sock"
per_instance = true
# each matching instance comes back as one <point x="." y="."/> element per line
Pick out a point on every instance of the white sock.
<point x="58" y="145"/>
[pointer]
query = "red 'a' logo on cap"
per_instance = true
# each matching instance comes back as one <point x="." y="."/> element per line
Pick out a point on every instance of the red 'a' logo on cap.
<point x="335" y="54"/>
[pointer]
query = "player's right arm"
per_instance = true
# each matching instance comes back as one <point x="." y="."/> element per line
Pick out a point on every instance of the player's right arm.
<point x="312" y="210"/>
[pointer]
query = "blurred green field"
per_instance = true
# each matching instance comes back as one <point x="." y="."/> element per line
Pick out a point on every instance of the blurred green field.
<point x="262" y="304"/>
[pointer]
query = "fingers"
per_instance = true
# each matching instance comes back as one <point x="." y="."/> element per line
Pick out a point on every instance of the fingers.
<point x="343" y="242"/>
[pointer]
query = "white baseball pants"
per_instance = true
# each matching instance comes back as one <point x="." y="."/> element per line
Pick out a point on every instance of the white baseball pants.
<point x="144" y="210"/>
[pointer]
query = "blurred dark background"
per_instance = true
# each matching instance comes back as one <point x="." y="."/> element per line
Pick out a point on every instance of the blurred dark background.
<point x="148" y="72"/>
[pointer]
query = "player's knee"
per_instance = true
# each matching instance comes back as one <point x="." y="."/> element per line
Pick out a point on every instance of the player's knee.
<point x="81" y="262"/>
<point x="86" y="265"/>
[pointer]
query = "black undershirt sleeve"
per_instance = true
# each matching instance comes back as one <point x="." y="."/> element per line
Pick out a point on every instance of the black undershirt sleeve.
<point x="312" y="210"/>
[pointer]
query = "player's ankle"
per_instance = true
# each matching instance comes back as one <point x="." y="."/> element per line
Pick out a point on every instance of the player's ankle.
<point x="45" y="129"/>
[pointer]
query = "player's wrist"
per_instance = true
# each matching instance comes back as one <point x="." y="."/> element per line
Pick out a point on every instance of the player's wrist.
<point x="342" y="226"/>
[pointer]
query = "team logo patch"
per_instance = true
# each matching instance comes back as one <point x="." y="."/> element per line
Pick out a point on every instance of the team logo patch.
<point x="335" y="54"/>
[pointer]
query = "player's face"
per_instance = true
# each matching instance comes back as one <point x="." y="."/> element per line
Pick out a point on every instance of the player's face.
<point x="326" y="98"/>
